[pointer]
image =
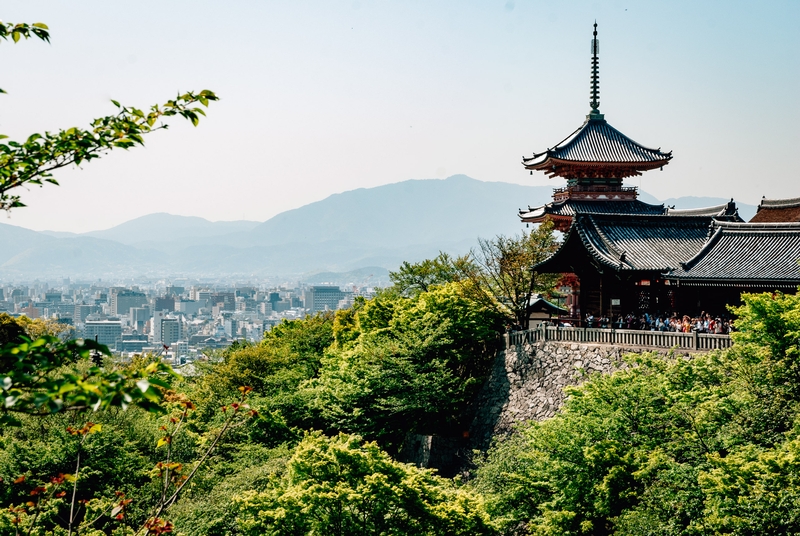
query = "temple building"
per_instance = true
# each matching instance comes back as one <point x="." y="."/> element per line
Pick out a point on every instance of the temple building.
<point x="631" y="256"/>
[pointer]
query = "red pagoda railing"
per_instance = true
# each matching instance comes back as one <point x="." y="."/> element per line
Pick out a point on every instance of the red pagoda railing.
<point x="597" y="192"/>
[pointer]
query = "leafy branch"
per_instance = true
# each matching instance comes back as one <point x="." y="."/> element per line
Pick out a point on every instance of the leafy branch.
<point x="10" y="30"/>
<point x="32" y="162"/>
<point x="31" y="382"/>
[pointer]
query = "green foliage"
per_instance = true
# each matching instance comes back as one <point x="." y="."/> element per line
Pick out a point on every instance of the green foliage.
<point x="33" y="379"/>
<point x="411" y="279"/>
<point x="754" y="491"/>
<point x="409" y="364"/>
<point x="339" y="486"/>
<point x="668" y="446"/>
<point x="503" y="274"/>
<point x="10" y="330"/>
<point x="24" y="30"/>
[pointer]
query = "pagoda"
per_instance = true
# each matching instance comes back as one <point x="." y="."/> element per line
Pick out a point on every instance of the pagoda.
<point x="594" y="160"/>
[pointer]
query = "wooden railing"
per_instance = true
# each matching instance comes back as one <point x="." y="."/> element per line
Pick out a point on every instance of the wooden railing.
<point x="621" y="337"/>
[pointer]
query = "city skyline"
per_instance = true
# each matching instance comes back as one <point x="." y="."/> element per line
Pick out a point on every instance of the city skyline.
<point x="323" y="98"/>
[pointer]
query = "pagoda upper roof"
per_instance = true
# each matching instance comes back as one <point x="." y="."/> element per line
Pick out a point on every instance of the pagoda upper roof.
<point x="745" y="252"/>
<point x="778" y="210"/>
<point x="596" y="144"/>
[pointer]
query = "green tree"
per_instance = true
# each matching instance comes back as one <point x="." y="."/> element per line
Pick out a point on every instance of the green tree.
<point x="339" y="486"/>
<point x="413" y="278"/>
<point x="669" y="446"/>
<point x="411" y="365"/>
<point x="503" y="273"/>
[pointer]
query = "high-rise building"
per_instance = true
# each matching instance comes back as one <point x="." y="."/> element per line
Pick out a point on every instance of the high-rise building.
<point x="322" y="298"/>
<point x="122" y="300"/>
<point x="105" y="331"/>
<point x="228" y="299"/>
<point x="139" y="317"/>
<point x="165" y="303"/>
<point x="170" y="330"/>
<point x="158" y="316"/>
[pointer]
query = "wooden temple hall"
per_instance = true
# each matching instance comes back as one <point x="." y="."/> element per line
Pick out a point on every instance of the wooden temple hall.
<point x="630" y="256"/>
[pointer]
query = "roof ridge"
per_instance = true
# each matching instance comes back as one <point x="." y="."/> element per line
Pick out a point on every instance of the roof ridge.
<point x="602" y="257"/>
<point x="779" y="203"/>
<point x="699" y="210"/>
<point x="758" y="226"/>
<point x="713" y="239"/>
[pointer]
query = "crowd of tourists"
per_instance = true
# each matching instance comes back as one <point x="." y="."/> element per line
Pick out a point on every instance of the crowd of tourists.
<point x="703" y="323"/>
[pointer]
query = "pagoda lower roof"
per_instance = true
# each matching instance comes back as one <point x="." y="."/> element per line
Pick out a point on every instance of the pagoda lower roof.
<point x="746" y="252"/>
<point x="777" y="210"/>
<point x="572" y="207"/>
<point x="597" y="149"/>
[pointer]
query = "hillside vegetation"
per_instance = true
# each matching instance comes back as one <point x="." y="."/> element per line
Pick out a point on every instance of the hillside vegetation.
<point x="300" y="434"/>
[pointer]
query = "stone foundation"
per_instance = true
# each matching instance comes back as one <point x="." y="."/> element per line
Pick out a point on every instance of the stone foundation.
<point x="527" y="383"/>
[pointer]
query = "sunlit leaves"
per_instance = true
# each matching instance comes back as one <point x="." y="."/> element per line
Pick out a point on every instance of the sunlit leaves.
<point x="32" y="162"/>
<point x="33" y="380"/>
<point x="10" y="30"/>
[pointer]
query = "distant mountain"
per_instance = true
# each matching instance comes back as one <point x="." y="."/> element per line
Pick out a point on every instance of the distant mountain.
<point x="334" y="239"/>
<point x="162" y="227"/>
<point x="406" y="213"/>
<point x="372" y="275"/>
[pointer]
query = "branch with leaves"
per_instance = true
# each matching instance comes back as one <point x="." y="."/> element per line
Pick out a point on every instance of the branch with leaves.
<point x="33" y="382"/>
<point x="32" y="162"/>
<point x="23" y="30"/>
<point x="171" y="472"/>
<point x="504" y="275"/>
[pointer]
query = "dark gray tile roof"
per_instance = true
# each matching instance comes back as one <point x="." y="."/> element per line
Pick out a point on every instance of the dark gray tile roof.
<point x="597" y="141"/>
<point x="724" y="211"/>
<point x="571" y="207"/>
<point x="749" y="252"/>
<point x="643" y="243"/>
<point x="633" y="243"/>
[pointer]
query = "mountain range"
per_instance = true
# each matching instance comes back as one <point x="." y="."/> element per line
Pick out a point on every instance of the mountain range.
<point x="366" y="230"/>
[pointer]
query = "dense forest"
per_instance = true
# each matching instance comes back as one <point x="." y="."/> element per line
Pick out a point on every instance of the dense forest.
<point x="300" y="434"/>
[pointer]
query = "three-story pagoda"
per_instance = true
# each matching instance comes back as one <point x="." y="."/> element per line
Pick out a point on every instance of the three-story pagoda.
<point x="594" y="160"/>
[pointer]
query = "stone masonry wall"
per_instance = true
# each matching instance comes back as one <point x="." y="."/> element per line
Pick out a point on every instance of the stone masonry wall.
<point x="527" y="383"/>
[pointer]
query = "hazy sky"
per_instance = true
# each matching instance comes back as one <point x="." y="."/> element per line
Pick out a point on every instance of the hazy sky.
<point x="323" y="97"/>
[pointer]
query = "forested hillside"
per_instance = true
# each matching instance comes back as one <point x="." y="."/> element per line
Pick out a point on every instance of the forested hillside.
<point x="300" y="434"/>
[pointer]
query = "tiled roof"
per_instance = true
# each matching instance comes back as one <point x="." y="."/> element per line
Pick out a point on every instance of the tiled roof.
<point x="719" y="211"/>
<point x="537" y="304"/>
<point x="643" y="243"/>
<point x="571" y="207"/>
<point x="598" y="142"/>
<point x="750" y="252"/>
<point x="650" y="243"/>
<point x="779" y="203"/>
<point x="778" y="210"/>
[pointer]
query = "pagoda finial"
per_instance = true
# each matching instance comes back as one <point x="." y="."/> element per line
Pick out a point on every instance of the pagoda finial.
<point x="595" y="89"/>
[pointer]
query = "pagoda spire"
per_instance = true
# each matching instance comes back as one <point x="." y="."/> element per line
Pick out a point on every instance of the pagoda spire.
<point x="595" y="85"/>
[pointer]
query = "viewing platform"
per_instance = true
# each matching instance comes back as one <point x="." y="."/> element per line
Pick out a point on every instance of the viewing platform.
<point x="633" y="338"/>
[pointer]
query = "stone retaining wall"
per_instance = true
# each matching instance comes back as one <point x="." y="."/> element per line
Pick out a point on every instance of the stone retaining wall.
<point x="528" y="379"/>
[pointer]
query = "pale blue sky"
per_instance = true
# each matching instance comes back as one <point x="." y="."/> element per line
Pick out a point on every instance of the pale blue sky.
<point x="323" y="97"/>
